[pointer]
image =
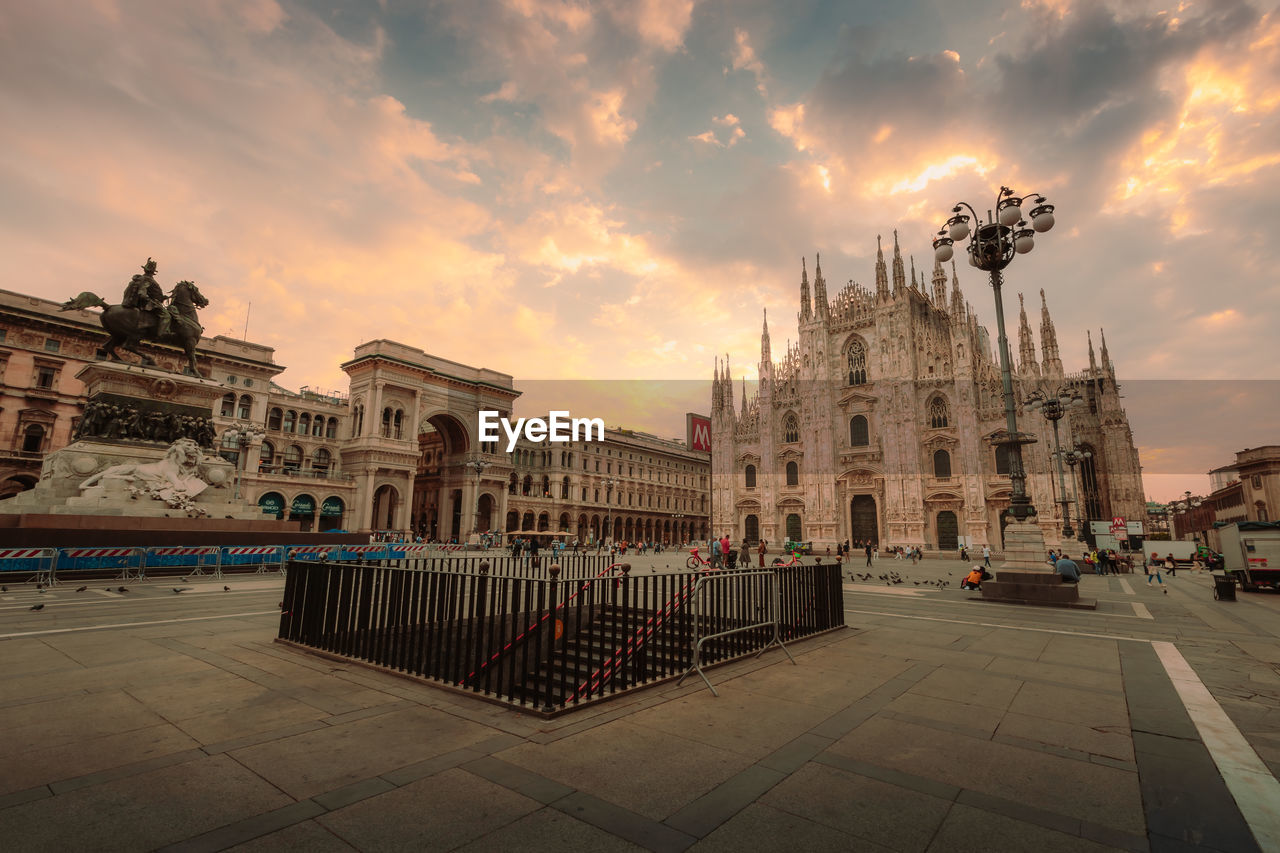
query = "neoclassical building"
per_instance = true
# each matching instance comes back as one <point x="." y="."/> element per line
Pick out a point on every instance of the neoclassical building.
<point x="877" y="424"/>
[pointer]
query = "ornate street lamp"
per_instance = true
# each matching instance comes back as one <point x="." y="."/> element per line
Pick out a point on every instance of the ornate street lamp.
<point x="991" y="248"/>
<point x="478" y="465"/>
<point x="242" y="436"/>
<point x="1073" y="457"/>
<point x="608" y="515"/>
<point x="1054" y="407"/>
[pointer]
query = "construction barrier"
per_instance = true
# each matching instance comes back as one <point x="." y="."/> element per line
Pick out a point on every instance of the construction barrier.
<point x="268" y="558"/>
<point x="130" y="561"/>
<point x="36" y="562"/>
<point x="196" y="559"/>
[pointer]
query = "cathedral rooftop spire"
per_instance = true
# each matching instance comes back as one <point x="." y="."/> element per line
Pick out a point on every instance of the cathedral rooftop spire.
<point x="804" y="292"/>
<point x="1026" y="344"/>
<point x="1093" y="362"/>
<point x="820" y="307"/>
<point x="1052" y="363"/>
<point x="899" y="274"/>
<point x="882" y="273"/>
<point x="765" y="356"/>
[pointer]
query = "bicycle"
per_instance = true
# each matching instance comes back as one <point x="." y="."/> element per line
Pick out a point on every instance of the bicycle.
<point x="696" y="561"/>
<point x="795" y="560"/>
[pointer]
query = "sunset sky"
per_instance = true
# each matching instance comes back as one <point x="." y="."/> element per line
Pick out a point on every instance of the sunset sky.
<point x="607" y="191"/>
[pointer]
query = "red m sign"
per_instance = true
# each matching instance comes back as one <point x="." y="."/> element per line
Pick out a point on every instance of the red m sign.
<point x="699" y="432"/>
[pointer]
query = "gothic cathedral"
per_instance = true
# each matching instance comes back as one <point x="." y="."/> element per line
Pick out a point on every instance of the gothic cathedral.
<point x="877" y="425"/>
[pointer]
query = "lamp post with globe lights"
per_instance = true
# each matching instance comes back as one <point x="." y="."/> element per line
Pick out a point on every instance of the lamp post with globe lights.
<point x="241" y="437"/>
<point x="478" y="465"/>
<point x="1183" y="510"/>
<point x="1054" y="407"/>
<point x="1073" y="457"/>
<point x="992" y="246"/>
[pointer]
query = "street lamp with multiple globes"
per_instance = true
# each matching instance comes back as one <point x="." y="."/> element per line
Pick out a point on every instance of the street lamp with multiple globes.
<point x="242" y="436"/>
<point x="991" y="248"/>
<point x="1054" y="407"/>
<point x="478" y="465"/>
<point x="1073" y="457"/>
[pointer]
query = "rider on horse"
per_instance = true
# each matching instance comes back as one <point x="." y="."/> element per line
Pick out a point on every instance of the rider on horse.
<point x="144" y="293"/>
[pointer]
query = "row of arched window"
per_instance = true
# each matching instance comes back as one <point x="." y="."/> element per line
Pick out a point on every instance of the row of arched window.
<point x="859" y="432"/>
<point x="544" y="487"/>
<point x="394" y="424"/>
<point x="271" y="460"/>
<point x="304" y="423"/>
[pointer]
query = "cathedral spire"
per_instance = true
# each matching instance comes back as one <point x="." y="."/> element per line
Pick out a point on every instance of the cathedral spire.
<point x="804" y="292"/>
<point x="716" y="397"/>
<point x="914" y="284"/>
<point x="1093" y="362"/>
<point x="882" y="274"/>
<point x="744" y="396"/>
<point x="728" y="386"/>
<point x="819" y="289"/>
<point x="765" y="356"/>
<point x="1048" y="339"/>
<point x="1026" y="345"/>
<point x="1106" y="357"/>
<point x="957" y="298"/>
<point x="899" y="275"/>
<point x="939" y="286"/>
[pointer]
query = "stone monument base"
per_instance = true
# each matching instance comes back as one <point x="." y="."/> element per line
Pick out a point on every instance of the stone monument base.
<point x="1043" y="588"/>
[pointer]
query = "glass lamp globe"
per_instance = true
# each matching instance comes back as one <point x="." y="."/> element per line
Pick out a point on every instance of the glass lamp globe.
<point x="1023" y="242"/>
<point x="943" y="253"/>
<point x="1042" y="218"/>
<point x="1010" y="214"/>
<point x="959" y="229"/>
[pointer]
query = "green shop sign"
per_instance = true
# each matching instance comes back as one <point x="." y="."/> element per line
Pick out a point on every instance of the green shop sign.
<point x="303" y="505"/>
<point x="271" y="503"/>
<point x="331" y="508"/>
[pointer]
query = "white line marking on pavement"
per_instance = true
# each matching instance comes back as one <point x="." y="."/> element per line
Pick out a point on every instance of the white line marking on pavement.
<point x="1141" y="610"/>
<point x="1255" y="790"/>
<point x="135" y="624"/>
<point x="1124" y="585"/>
<point x="884" y="590"/>
<point x="997" y="625"/>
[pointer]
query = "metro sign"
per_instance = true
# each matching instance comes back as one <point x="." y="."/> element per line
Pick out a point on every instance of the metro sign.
<point x="1118" y="528"/>
<point x="699" y="432"/>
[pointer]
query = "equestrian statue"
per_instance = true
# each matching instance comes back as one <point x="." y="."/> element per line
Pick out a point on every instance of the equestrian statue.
<point x="142" y="315"/>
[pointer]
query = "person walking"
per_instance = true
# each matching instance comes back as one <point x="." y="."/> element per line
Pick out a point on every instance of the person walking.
<point x="1170" y="566"/>
<point x="986" y="556"/>
<point x="744" y="558"/>
<point x="716" y="551"/>
<point x="867" y="548"/>
<point x="761" y="549"/>
<point x="1154" y="564"/>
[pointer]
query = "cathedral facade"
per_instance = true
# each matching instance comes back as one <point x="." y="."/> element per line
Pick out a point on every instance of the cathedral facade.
<point x="878" y="423"/>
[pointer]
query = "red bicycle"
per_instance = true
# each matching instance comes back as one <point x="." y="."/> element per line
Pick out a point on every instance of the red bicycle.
<point x="795" y="560"/>
<point x="695" y="561"/>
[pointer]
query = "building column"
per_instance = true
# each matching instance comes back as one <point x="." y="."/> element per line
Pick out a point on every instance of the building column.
<point x="468" y="522"/>
<point x="367" y="510"/>
<point x="444" y="513"/>
<point x="373" y="415"/>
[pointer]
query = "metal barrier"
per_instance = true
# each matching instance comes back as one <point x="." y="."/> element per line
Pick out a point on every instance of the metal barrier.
<point x="248" y="555"/>
<point x="37" y="561"/>
<point x="710" y="611"/>
<point x="549" y="643"/>
<point x="130" y="561"/>
<point x="194" y="558"/>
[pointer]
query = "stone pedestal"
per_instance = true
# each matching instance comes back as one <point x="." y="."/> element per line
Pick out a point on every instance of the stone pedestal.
<point x="1024" y="546"/>
<point x="1044" y="588"/>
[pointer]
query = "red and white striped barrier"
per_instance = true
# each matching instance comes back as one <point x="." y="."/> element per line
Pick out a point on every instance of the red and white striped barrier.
<point x="183" y="551"/>
<point x="23" y="553"/>
<point x="76" y="553"/>
<point x="363" y="549"/>
<point x="258" y="549"/>
<point x="414" y="550"/>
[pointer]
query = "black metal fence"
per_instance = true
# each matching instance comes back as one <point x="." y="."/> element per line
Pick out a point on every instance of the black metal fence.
<point x="547" y="643"/>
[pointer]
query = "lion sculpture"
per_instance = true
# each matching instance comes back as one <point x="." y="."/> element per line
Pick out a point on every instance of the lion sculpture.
<point x="176" y="479"/>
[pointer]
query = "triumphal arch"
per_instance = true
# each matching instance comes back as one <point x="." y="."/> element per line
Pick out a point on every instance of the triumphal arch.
<point x="414" y="452"/>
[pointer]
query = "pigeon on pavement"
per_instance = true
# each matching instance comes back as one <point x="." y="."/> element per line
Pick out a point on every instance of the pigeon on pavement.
<point x="226" y="589"/>
<point x="177" y="589"/>
<point x="82" y="589"/>
<point x="37" y="607"/>
<point x="122" y="589"/>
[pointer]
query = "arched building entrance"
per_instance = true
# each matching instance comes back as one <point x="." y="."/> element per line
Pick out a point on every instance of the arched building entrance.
<point x="863" y="525"/>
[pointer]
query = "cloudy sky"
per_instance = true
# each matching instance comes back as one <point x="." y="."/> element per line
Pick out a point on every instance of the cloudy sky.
<point x="613" y="190"/>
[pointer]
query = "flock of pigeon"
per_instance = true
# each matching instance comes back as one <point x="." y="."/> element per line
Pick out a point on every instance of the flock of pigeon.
<point x="892" y="578"/>
<point x="40" y="588"/>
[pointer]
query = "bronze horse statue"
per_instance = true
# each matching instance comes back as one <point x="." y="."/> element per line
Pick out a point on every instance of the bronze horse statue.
<point x="130" y="326"/>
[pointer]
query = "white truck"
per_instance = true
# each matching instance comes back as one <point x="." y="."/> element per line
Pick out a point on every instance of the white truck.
<point x="1251" y="554"/>
<point x="1184" y="553"/>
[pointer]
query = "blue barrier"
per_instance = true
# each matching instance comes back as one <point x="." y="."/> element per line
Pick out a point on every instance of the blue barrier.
<point x="130" y="561"/>
<point x="35" y="562"/>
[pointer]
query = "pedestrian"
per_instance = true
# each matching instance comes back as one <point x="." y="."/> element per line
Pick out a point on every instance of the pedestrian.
<point x="762" y="550"/>
<point x="868" y="549"/>
<point x="1170" y="566"/>
<point x="744" y="559"/>
<point x="1155" y="564"/>
<point x="716" y="551"/>
<point x="973" y="580"/>
<point x="986" y="556"/>
<point x="1067" y="568"/>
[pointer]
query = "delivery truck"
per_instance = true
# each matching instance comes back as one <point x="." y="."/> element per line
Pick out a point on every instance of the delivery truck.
<point x="1185" y="554"/>
<point x="1251" y="554"/>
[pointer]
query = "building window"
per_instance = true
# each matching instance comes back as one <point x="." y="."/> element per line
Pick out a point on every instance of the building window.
<point x="245" y="407"/>
<point x="273" y="419"/>
<point x="790" y="429"/>
<point x="857" y="363"/>
<point x="1261" y="509"/>
<point x="248" y="383"/>
<point x="290" y="421"/>
<point x="321" y="460"/>
<point x="231" y="380"/>
<point x="399" y="423"/>
<point x="751" y="476"/>
<point x="51" y="345"/>
<point x="331" y="428"/>
<point x="1002" y="459"/>
<point x="939" y="415"/>
<point x="304" y="424"/>
<point x="230" y="448"/>
<point x="793" y="474"/>
<point x="45" y="377"/>
<point x="564" y="488"/>
<point x="33" y="439"/>
<point x="941" y="464"/>
<point x="266" y="456"/>
<point x="228" y="405"/>
<point x="793" y="527"/>
<point x="317" y="427"/>
<point x="293" y="458"/>
<point x="859" y="435"/>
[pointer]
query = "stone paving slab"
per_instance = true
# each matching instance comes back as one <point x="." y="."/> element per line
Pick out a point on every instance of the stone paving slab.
<point x="933" y="724"/>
